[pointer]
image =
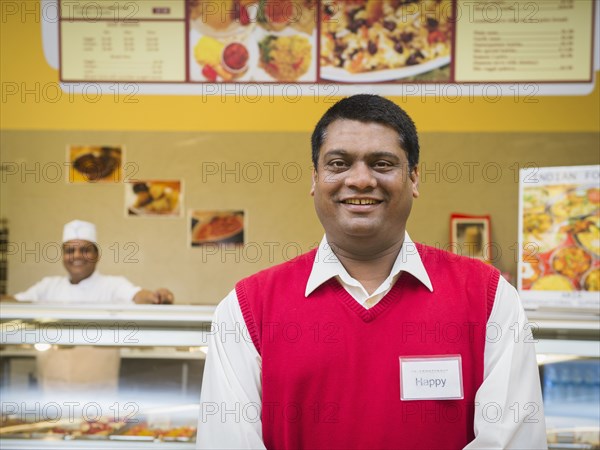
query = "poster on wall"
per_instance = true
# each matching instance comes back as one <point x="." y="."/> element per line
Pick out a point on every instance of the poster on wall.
<point x="559" y="239"/>
<point x="216" y="227"/>
<point x="153" y="198"/>
<point x="94" y="163"/>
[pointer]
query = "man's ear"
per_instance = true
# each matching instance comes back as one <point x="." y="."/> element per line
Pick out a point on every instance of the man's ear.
<point x="314" y="181"/>
<point x="414" y="177"/>
<point x="97" y="252"/>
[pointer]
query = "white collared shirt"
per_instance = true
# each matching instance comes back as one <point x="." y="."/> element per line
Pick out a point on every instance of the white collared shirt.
<point x="96" y="288"/>
<point x="232" y="373"/>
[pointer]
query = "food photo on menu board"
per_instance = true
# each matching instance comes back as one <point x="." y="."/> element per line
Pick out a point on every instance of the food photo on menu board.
<point x="559" y="243"/>
<point x="376" y="41"/>
<point x="94" y="163"/>
<point x="216" y="227"/>
<point x="153" y="198"/>
<point x="253" y="40"/>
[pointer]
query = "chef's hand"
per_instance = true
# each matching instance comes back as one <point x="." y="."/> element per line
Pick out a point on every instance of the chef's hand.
<point x="160" y="296"/>
<point x="164" y="296"/>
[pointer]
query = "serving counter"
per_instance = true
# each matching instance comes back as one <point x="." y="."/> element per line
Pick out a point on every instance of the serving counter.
<point x="140" y="383"/>
<point x="153" y="401"/>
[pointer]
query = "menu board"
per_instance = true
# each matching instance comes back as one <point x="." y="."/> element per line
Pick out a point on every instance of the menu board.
<point x="327" y="41"/>
<point x="559" y="240"/>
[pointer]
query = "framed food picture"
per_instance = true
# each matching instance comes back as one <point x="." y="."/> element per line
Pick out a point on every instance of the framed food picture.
<point x="559" y="237"/>
<point x="94" y="163"/>
<point x="216" y="227"/>
<point x="470" y="236"/>
<point x="154" y="198"/>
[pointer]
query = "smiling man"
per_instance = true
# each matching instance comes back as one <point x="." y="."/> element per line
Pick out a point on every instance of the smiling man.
<point x="370" y="341"/>
<point x="84" y="284"/>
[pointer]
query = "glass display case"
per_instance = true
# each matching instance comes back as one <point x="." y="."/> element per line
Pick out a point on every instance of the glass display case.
<point x="101" y="376"/>
<point x="130" y="376"/>
<point x="568" y="352"/>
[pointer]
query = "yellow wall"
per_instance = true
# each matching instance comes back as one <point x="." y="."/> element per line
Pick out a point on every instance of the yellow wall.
<point x="472" y="173"/>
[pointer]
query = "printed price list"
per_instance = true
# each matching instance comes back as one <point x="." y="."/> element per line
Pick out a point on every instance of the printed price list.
<point x="113" y="44"/>
<point x="525" y="41"/>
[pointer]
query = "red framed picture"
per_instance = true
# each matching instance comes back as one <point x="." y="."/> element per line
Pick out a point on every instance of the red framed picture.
<point x="470" y="236"/>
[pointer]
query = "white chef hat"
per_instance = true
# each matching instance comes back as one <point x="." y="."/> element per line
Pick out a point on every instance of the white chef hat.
<point x="78" y="229"/>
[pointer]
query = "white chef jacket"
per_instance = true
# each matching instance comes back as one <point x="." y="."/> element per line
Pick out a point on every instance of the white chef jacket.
<point x="508" y="404"/>
<point x="96" y="288"/>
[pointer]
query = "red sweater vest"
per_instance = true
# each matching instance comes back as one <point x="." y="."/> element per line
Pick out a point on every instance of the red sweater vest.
<point x="330" y="368"/>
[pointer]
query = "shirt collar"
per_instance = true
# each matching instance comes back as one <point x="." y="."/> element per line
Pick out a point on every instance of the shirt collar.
<point x="327" y="265"/>
<point x="93" y="277"/>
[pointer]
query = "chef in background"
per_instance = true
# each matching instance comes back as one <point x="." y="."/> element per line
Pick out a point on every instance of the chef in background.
<point x="84" y="369"/>
<point x="84" y="284"/>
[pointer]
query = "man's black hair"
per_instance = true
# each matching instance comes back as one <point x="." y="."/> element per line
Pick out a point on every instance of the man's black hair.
<point x="370" y="108"/>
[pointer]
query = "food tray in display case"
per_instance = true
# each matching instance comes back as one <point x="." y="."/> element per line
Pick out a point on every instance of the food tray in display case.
<point x="49" y="420"/>
<point x="154" y="401"/>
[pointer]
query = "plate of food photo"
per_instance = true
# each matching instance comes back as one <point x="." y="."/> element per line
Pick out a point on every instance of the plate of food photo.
<point x="286" y="57"/>
<point x="279" y="15"/>
<point x="217" y="60"/>
<point x="153" y="198"/>
<point x="223" y="18"/>
<point x="95" y="163"/>
<point x="383" y="40"/>
<point x="217" y="227"/>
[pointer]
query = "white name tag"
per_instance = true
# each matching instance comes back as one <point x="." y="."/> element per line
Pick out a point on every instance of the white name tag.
<point x="431" y="378"/>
